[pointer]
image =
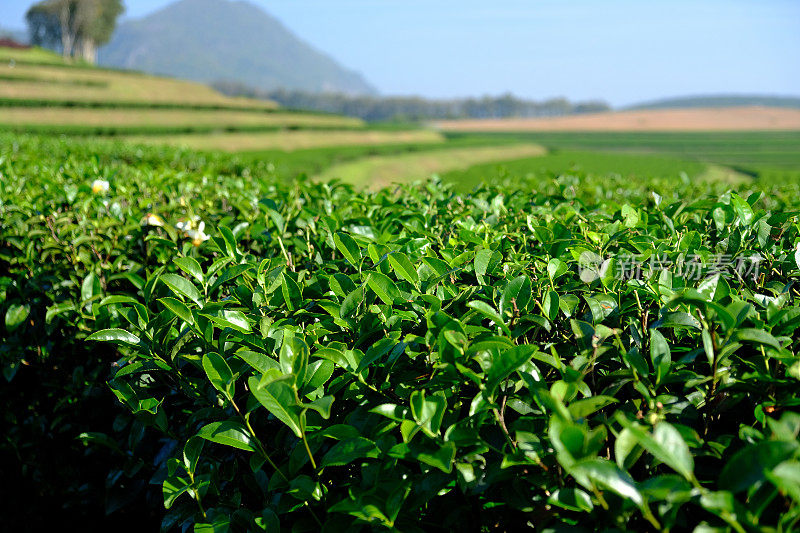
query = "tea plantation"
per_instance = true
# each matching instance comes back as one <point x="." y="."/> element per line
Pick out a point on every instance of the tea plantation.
<point x="192" y="342"/>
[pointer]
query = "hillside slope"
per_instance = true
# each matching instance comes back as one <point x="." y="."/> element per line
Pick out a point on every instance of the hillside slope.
<point x="41" y="77"/>
<point x="213" y="40"/>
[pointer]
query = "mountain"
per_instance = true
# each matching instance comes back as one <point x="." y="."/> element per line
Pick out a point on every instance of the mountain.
<point x="721" y="100"/>
<point x="222" y="40"/>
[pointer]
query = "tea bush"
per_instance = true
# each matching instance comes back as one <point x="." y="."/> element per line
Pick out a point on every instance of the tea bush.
<point x="576" y="352"/>
<point x="63" y="248"/>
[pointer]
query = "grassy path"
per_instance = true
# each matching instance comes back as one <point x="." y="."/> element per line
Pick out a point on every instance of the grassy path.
<point x="378" y="171"/>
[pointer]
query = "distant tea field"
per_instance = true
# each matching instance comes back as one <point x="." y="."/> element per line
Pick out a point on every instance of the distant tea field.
<point x="774" y="155"/>
<point x="40" y="93"/>
<point x="621" y="166"/>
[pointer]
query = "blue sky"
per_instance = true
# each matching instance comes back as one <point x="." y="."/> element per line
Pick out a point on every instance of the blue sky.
<point x="622" y="51"/>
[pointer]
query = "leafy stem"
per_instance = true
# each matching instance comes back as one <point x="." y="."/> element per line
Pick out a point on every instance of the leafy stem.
<point x="308" y="451"/>
<point x="265" y="455"/>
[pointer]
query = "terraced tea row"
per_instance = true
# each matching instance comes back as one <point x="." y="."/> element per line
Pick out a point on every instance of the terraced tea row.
<point x="62" y="119"/>
<point x="287" y="140"/>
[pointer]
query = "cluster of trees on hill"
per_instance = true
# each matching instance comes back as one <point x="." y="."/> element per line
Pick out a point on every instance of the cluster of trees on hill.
<point x="74" y="27"/>
<point x="721" y="100"/>
<point x="412" y="108"/>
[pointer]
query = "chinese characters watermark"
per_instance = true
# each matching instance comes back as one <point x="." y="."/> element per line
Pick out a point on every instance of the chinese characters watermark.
<point x="694" y="267"/>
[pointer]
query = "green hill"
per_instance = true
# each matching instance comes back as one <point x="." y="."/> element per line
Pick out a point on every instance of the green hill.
<point x="39" y="77"/>
<point x="213" y="40"/>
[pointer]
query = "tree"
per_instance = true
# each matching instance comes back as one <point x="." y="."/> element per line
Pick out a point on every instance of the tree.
<point x="76" y="27"/>
<point x="44" y="27"/>
<point x="101" y="27"/>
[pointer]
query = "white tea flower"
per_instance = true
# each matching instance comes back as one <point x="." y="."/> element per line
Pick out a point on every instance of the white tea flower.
<point x="198" y="236"/>
<point x="100" y="186"/>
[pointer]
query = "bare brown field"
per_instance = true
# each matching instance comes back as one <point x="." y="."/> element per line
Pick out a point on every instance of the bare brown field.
<point x="703" y="119"/>
<point x="288" y="140"/>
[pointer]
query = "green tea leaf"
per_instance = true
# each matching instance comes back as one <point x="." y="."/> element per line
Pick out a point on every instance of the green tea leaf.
<point x="384" y="287"/>
<point x="191" y="267"/>
<point x="516" y="296"/>
<point x="90" y="286"/>
<point x="508" y="362"/>
<point x="757" y="336"/>
<point x="227" y="318"/>
<point x="16" y="315"/>
<point x="178" y="308"/>
<point x="114" y="335"/>
<point x="666" y="444"/>
<point x="292" y="292"/>
<point x="428" y="412"/>
<point x="174" y="487"/>
<point x="348" y="451"/>
<point x="219" y="373"/>
<point x="319" y="372"/>
<point x="607" y="475"/>
<point x="321" y="406"/>
<point x="556" y="268"/>
<point x="348" y="247"/>
<point x="586" y="406"/>
<point x="481" y="263"/>
<point x="351" y="302"/>
<point x="403" y="267"/>
<point x="279" y="398"/>
<point x="182" y="287"/>
<point x="489" y="312"/>
<point x="743" y="209"/>
<point x="229" y="433"/>
<point x="572" y="500"/>
<point x="660" y="355"/>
